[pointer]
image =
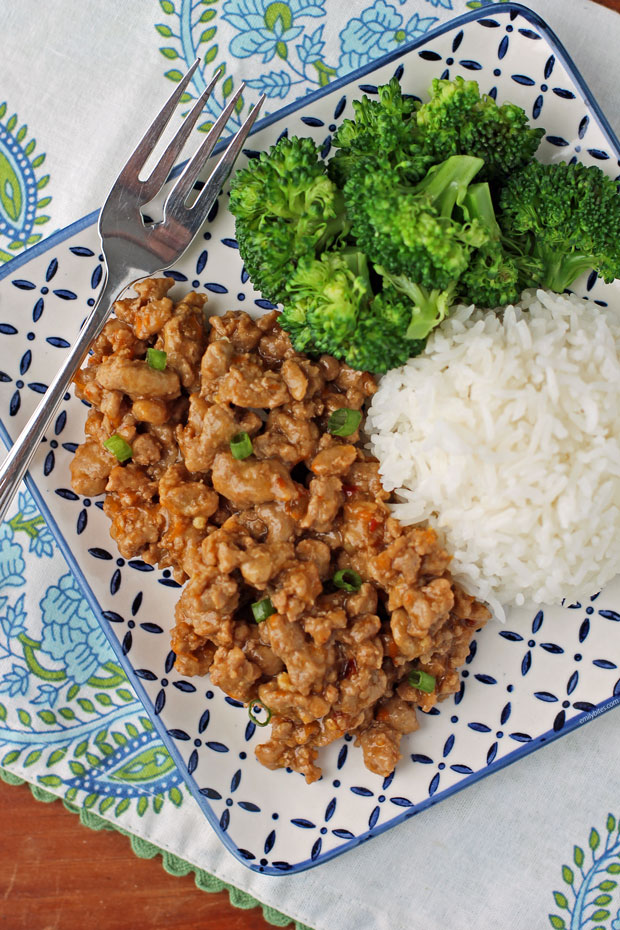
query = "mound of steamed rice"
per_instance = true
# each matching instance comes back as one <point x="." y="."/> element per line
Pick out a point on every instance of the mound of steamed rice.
<point x="505" y="436"/>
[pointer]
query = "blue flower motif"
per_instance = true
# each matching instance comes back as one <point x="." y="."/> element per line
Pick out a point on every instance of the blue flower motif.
<point x="418" y="26"/>
<point x="12" y="565"/>
<point x="311" y="47"/>
<point x="16" y="681"/>
<point x="378" y="30"/>
<point x="446" y="4"/>
<point x="14" y="621"/>
<point x="27" y="506"/>
<point x="265" y="27"/>
<point x="274" y="84"/>
<point x="615" y="924"/>
<point x="47" y="695"/>
<point x="43" y="543"/>
<point x="71" y="633"/>
<point x="374" y="28"/>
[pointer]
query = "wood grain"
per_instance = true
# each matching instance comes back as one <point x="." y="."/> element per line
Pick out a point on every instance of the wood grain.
<point x="56" y="874"/>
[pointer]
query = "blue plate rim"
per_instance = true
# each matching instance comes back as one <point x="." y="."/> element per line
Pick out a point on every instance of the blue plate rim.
<point x="89" y="219"/>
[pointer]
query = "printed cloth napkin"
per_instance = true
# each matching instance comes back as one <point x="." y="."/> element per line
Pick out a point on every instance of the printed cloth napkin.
<point x="537" y="844"/>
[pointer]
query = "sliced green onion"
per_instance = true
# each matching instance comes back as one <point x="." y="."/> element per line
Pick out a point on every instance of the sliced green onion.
<point x="344" y="421"/>
<point x="348" y="580"/>
<point x="118" y="447"/>
<point x="241" y="446"/>
<point x="259" y="704"/>
<point x="422" y="681"/>
<point x="156" y="358"/>
<point x="263" y="609"/>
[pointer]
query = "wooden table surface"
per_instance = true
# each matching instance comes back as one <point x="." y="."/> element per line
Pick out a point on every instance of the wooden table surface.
<point x="57" y="875"/>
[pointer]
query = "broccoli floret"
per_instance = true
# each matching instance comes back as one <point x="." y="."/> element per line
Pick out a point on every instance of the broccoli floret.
<point x="414" y="229"/>
<point x="459" y="120"/>
<point x="494" y="276"/>
<point x="381" y="338"/>
<point x="382" y="133"/>
<point x="566" y="218"/>
<point x="285" y="207"/>
<point x="324" y="299"/>
<point x="330" y="307"/>
<point x="426" y="308"/>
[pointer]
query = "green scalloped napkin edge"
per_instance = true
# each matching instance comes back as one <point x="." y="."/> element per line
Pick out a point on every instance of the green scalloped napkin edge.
<point x="171" y="863"/>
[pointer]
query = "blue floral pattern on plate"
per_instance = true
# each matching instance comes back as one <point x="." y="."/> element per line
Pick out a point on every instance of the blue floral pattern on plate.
<point x="524" y="683"/>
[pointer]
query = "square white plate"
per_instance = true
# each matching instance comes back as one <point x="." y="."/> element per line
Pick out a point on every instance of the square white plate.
<point x="525" y="682"/>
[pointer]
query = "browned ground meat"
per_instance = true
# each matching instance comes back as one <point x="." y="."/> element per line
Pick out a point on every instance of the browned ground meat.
<point x="277" y="524"/>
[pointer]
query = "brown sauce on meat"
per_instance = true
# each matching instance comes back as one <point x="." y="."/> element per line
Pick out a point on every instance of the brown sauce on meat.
<point x="278" y="524"/>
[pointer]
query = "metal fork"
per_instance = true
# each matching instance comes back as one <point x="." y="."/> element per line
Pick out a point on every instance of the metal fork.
<point x="134" y="249"/>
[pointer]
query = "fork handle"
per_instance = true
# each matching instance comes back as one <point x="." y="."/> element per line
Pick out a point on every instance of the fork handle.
<point x="15" y="465"/>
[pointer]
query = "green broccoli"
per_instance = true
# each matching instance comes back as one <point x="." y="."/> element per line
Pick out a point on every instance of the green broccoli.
<point x="381" y="338"/>
<point x="331" y="307"/>
<point x="324" y="299"/>
<point x="426" y="308"/>
<point x="414" y="229"/>
<point x="458" y="120"/>
<point x="285" y="207"/>
<point x="494" y="276"/>
<point x="566" y="219"/>
<point x="383" y="133"/>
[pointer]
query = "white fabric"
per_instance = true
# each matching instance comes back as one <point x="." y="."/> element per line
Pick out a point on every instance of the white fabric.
<point x="491" y="856"/>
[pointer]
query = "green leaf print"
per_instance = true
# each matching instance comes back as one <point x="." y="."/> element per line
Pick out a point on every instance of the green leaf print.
<point x="105" y="804"/>
<point x="10" y="189"/>
<point x="151" y="763"/>
<point x="590" y="902"/>
<point x="50" y="781"/>
<point x="175" y="796"/>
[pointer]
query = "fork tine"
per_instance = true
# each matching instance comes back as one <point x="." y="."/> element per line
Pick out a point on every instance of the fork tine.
<point x="129" y="175"/>
<point x="191" y="171"/>
<point x="194" y="216"/>
<point x="162" y="169"/>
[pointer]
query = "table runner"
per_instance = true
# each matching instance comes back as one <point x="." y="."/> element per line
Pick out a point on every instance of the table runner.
<point x="513" y="850"/>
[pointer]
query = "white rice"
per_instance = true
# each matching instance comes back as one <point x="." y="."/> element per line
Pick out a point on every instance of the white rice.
<point x="505" y="436"/>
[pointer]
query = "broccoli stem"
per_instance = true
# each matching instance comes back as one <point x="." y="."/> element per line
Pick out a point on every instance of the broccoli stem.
<point x="357" y="263"/>
<point x="429" y="307"/>
<point x="478" y="205"/>
<point x="446" y="184"/>
<point x="337" y="227"/>
<point x="560" y="271"/>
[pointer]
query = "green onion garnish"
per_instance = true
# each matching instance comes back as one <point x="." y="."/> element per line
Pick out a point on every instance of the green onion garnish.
<point x="241" y="446"/>
<point x="263" y="609"/>
<point x="344" y="421"/>
<point x="348" y="580"/>
<point x="260" y="705"/>
<point x="156" y="358"/>
<point x="118" y="447"/>
<point x="422" y="681"/>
